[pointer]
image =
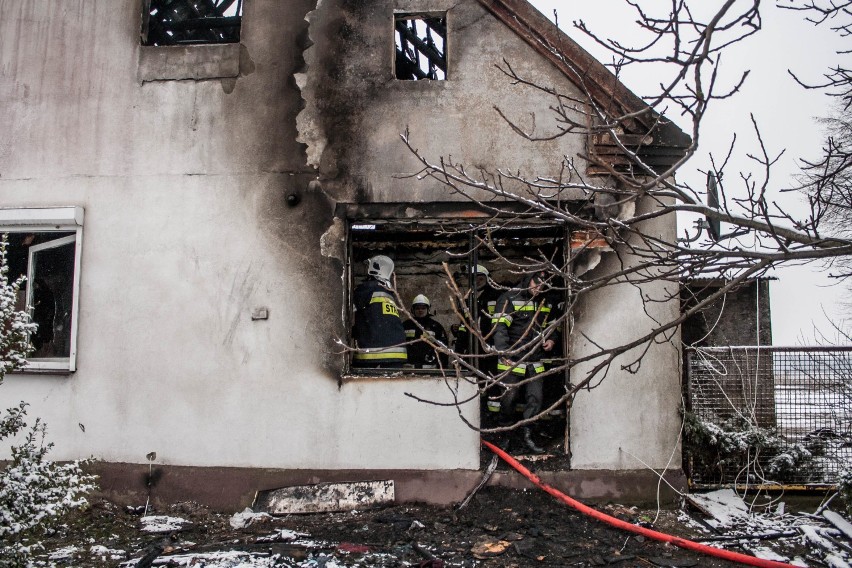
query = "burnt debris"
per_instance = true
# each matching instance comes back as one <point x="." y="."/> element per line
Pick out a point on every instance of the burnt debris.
<point x="421" y="48"/>
<point x="178" y="22"/>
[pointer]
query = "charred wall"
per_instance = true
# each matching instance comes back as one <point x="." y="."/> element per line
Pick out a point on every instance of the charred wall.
<point x="355" y="109"/>
<point x="740" y="317"/>
<point x="198" y="213"/>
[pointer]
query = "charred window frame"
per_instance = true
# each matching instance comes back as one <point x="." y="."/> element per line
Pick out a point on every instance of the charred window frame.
<point x="419" y="249"/>
<point x="44" y="246"/>
<point x="191" y="22"/>
<point x="420" y="47"/>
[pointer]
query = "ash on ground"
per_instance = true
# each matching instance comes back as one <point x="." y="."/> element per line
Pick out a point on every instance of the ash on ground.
<point x="498" y="528"/>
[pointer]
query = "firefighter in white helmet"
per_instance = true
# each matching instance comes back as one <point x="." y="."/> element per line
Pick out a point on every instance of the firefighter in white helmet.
<point x="378" y="332"/>
<point x="421" y="349"/>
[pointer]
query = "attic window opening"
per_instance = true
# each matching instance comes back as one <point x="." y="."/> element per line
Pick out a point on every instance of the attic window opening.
<point x="421" y="47"/>
<point x="180" y="22"/>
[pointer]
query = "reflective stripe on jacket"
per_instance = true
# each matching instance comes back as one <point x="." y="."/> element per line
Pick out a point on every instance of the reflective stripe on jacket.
<point x="520" y="368"/>
<point x="519" y="320"/>
<point x="378" y="331"/>
<point x="420" y="353"/>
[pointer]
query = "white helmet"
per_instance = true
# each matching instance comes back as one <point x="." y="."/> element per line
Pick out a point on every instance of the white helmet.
<point x="480" y="270"/>
<point x="421" y="299"/>
<point x="380" y="267"/>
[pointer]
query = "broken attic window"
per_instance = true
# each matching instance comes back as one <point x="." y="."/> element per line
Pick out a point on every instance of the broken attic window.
<point x="177" y="22"/>
<point x="421" y="47"/>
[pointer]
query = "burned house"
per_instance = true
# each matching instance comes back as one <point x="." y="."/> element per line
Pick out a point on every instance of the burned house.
<point x="191" y="188"/>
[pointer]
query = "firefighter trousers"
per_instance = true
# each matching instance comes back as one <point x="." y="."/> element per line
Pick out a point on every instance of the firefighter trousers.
<point x="533" y="390"/>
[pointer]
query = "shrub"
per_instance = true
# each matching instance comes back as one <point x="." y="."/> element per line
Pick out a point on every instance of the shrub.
<point x="844" y="487"/>
<point x="738" y="451"/>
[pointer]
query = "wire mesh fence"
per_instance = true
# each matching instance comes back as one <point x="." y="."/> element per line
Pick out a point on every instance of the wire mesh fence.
<point x="768" y="415"/>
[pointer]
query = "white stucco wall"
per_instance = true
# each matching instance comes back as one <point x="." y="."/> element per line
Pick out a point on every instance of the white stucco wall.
<point x="630" y="418"/>
<point x="456" y="119"/>
<point x="170" y="360"/>
<point x="185" y="234"/>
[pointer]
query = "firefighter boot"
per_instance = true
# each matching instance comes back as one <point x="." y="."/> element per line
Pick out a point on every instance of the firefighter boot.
<point x="530" y="443"/>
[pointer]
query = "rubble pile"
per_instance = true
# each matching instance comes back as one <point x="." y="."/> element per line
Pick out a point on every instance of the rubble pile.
<point x="497" y="528"/>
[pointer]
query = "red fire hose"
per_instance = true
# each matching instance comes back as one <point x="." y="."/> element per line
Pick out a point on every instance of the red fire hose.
<point x="618" y="523"/>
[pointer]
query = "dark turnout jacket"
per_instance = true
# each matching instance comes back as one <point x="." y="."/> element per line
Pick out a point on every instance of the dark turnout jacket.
<point x="519" y="321"/>
<point x="378" y="331"/>
<point x="420" y="353"/>
<point x="485" y="305"/>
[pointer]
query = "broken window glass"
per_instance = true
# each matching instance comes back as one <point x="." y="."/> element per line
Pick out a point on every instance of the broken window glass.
<point x="421" y="47"/>
<point x="177" y="22"/>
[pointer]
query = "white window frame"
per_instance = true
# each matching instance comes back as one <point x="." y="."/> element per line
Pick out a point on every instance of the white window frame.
<point x="50" y="220"/>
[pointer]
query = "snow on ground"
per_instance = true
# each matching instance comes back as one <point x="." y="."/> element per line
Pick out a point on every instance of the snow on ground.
<point x="767" y="532"/>
<point x="821" y="539"/>
<point x="282" y="535"/>
<point x="247" y="517"/>
<point x="725" y="507"/>
<point x="63" y="553"/>
<point x="766" y="553"/>
<point x="239" y="559"/>
<point x="106" y="553"/>
<point x="250" y="540"/>
<point x="224" y="559"/>
<point x="162" y="524"/>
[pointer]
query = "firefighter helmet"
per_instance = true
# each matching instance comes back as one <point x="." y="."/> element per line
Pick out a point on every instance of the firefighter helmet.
<point x="421" y="299"/>
<point x="477" y="270"/>
<point x="380" y="267"/>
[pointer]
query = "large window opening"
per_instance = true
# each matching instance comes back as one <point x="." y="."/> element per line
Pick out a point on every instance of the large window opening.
<point x="443" y="261"/>
<point x="420" y="250"/>
<point x="421" y="47"/>
<point x="179" y="22"/>
<point x="43" y="247"/>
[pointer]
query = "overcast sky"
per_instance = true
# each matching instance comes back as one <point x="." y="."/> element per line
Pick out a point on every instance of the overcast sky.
<point x="784" y="111"/>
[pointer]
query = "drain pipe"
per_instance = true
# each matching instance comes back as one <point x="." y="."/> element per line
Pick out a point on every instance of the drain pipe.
<point x="619" y="524"/>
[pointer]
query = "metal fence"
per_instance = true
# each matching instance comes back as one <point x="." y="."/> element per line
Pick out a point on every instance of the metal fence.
<point x="768" y="415"/>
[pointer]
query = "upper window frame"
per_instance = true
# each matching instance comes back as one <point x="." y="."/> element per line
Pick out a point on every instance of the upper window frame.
<point x="63" y="219"/>
<point x="186" y="61"/>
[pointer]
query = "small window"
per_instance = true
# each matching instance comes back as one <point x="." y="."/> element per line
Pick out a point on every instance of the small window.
<point x="44" y="248"/>
<point x="180" y="22"/>
<point x="421" y="47"/>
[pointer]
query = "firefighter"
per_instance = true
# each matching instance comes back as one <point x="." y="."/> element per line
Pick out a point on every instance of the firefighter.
<point x="522" y="336"/>
<point x="486" y="302"/>
<point x="378" y="332"/>
<point x="420" y="353"/>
